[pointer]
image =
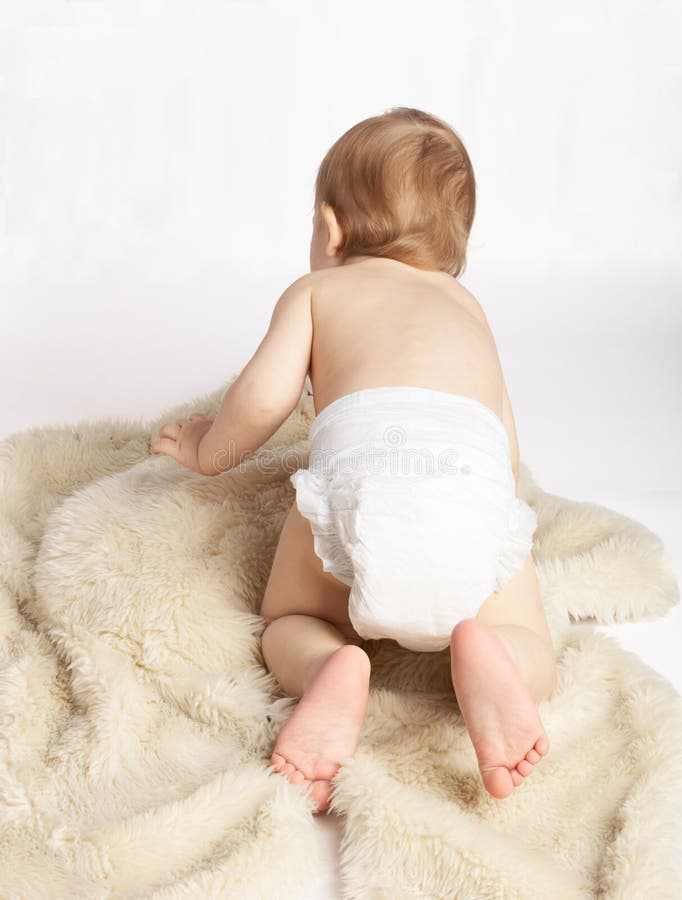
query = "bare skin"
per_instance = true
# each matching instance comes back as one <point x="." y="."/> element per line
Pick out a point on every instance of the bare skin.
<point x="365" y="308"/>
<point x="499" y="670"/>
<point x="351" y="324"/>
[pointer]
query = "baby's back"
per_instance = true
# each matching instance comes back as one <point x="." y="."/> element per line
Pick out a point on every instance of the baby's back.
<point x="381" y="322"/>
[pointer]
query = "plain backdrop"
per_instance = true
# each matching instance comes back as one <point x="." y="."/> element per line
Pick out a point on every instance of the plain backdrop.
<point x="157" y="163"/>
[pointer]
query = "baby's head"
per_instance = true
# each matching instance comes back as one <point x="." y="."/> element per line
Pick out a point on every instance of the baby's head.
<point x="398" y="185"/>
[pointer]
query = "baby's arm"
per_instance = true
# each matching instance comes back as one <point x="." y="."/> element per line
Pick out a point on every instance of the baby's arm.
<point x="269" y="386"/>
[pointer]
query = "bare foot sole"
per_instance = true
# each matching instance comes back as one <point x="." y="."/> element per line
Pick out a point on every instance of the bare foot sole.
<point x="326" y="723"/>
<point x="498" y="709"/>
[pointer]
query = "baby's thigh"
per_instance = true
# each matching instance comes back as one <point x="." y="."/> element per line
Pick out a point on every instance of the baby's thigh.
<point x="518" y="603"/>
<point x="298" y="585"/>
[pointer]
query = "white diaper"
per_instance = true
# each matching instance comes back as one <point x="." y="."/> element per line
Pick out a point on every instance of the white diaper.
<point x="411" y="500"/>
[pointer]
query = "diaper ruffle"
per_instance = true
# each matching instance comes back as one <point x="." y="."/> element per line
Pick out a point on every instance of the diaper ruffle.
<point x="522" y="522"/>
<point x="319" y="505"/>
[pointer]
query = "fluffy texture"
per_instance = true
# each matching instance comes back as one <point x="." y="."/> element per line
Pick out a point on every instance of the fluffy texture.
<point x="137" y="716"/>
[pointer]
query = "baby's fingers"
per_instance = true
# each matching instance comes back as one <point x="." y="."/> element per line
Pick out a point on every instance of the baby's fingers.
<point x="165" y="445"/>
<point x="170" y="430"/>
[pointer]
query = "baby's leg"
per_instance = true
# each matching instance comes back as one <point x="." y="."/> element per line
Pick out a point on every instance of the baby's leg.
<point x="518" y="617"/>
<point x="295" y="647"/>
<point x="306" y="610"/>
<point x="305" y="646"/>
<point x="502" y="662"/>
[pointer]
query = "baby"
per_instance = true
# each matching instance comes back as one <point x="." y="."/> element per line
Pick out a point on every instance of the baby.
<point x="406" y="523"/>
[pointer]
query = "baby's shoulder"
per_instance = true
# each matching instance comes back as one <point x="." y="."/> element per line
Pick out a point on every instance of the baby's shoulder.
<point x="470" y="303"/>
<point x="317" y="283"/>
<point x="302" y="283"/>
<point x="297" y="293"/>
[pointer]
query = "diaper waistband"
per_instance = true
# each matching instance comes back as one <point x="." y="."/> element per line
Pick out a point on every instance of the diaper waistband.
<point x="402" y="397"/>
<point x="371" y="424"/>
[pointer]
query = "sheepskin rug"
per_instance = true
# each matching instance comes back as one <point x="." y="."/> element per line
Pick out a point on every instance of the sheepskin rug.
<point x="137" y="717"/>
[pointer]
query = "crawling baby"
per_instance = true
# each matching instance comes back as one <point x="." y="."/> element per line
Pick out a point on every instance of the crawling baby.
<point x="406" y="524"/>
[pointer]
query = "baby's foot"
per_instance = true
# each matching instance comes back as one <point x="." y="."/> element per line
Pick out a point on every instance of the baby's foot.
<point x="498" y="709"/>
<point x="326" y="723"/>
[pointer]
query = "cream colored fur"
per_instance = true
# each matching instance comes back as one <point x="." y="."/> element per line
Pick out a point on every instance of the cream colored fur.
<point x="134" y="738"/>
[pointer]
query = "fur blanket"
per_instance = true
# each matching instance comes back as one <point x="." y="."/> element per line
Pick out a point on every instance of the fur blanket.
<point x="137" y="716"/>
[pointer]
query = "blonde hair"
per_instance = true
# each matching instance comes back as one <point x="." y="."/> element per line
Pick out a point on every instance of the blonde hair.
<point x="401" y="184"/>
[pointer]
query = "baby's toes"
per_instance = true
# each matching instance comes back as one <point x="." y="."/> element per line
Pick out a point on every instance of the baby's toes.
<point x="524" y="767"/>
<point x="286" y="768"/>
<point x="321" y="794"/>
<point x="542" y="745"/>
<point x="516" y="777"/>
<point x="277" y="761"/>
<point x="533" y="756"/>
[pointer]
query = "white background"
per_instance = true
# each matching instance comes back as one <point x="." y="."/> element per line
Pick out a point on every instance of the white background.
<point x="157" y="163"/>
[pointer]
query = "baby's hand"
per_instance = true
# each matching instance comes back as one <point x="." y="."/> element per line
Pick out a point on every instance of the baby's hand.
<point x="180" y="439"/>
